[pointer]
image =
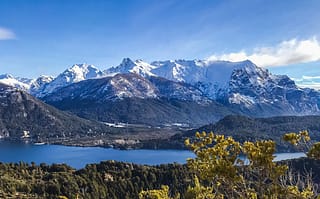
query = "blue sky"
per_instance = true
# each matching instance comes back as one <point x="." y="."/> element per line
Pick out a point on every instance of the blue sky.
<point x="47" y="36"/>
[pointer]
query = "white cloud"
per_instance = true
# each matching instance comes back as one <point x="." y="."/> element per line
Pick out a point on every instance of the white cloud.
<point x="287" y="52"/>
<point x="311" y="78"/>
<point x="308" y="82"/>
<point x="6" y="34"/>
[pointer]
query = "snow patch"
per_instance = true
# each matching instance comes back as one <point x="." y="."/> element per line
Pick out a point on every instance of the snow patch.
<point x="76" y="73"/>
<point x="237" y="98"/>
<point x="9" y="80"/>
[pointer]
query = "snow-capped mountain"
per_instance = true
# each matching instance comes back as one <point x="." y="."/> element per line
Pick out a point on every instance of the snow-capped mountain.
<point x="129" y="85"/>
<point x="47" y="84"/>
<point x="135" y="99"/>
<point x="20" y="83"/>
<point x="241" y="85"/>
<point x="76" y="73"/>
<point x="211" y="77"/>
<point x="254" y="90"/>
<point x="38" y="85"/>
<point x="128" y="66"/>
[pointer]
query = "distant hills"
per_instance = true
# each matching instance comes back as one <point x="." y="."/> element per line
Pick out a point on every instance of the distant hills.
<point x="22" y="115"/>
<point x="244" y="128"/>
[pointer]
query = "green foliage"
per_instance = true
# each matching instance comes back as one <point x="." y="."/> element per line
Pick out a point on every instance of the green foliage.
<point x="314" y="151"/>
<point x="199" y="191"/>
<point x="297" y="139"/>
<point x="302" y="141"/>
<point x="217" y="171"/>
<point x="217" y="161"/>
<point x="162" y="193"/>
<point x="243" y="128"/>
<point x="221" y="173"/>
<point x="105" y="180"/>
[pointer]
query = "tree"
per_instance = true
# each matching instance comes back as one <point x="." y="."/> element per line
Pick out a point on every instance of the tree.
<point x="225" y="168"/>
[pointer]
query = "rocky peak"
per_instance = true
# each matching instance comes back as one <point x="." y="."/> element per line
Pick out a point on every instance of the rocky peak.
<point x="76" y="73"/>
<point x="10" y="80"/>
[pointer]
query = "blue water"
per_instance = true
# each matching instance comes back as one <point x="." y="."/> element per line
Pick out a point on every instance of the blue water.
<point x="78" y="157"/>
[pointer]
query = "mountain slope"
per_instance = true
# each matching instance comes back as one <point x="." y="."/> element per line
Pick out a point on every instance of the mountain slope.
<point x="21" y="112"/>
<point x="134" y="99"/>
<point x="244" y="128"/>
<point x="39" y="84"/>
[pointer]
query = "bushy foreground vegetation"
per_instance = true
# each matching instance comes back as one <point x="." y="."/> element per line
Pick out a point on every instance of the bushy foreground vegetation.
<point x="220" y="172"/>
<point x="216" y="172"/>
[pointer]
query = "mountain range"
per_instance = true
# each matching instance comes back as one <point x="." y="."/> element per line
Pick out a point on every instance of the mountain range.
<point x="131" y="98"/>
<point x="183" y="92"/>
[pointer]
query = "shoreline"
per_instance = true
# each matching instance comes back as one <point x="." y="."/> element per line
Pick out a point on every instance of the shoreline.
<point x="122" y="144"/>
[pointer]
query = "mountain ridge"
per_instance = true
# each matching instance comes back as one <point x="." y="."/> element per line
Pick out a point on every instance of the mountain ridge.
<point x="22" y="113"/>
<point x="243" y="128"/>
<point x="120" y="99"/>
<point x="241" y="87"/>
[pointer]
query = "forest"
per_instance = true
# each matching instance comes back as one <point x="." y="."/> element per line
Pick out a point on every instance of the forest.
<point x="108" y="179"/>
<point x="215" y="168"/>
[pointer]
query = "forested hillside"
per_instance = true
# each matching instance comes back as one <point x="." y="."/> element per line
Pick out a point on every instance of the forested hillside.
<point x="105" y="180"/>
<point x="243" y="128"/>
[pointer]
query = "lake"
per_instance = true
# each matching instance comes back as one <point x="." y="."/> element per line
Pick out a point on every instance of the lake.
<point x="78" y="157"/>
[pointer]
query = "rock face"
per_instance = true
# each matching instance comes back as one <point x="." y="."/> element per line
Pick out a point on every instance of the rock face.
<point x="22" y="115"/>
<point x="256" y="92"/>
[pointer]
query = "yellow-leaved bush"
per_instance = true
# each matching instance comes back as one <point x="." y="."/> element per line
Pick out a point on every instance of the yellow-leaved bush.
<point x="162" y="193"/>
<point x="302" y="140"/>
<point x="225" y="168"/>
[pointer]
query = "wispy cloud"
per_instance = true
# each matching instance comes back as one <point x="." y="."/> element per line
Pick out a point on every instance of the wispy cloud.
<point x="6" y="34"/>
<point x="308" y="81"/>
<point x="287" y="52"/>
